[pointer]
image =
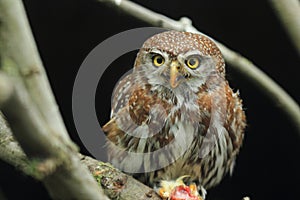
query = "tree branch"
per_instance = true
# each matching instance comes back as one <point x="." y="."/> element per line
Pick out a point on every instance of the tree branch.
<point x="30" y="108"/>
<point x="288" y="11"/>
<point x="116" y="185"/>
<point x="11" y="152"/>
<point x="18" y="48"/>
<point x="238" y="63"/>
<point x="52" y="161"/>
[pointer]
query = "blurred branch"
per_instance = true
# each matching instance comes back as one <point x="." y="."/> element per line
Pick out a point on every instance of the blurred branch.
<point x="28" y="103"/>
<point x="18" y="48"/>
<point x="11" y="152"/>
<point x="288" y="11"/>
<point x="116" y="185"/>
<point x="239" y="63"/>
<point x="51" y="160"/>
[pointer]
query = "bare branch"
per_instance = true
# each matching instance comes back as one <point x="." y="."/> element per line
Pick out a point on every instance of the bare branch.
<point x="28" y="104"/>
<point x="18" y="48"/>
<point x="11" y="152"/>
<point x="53" y="162"/>
<point x="116" y="184"/>
<point x="5" y="88"/>
<point x="288" y="11"/>
<point x="239" y="63"/>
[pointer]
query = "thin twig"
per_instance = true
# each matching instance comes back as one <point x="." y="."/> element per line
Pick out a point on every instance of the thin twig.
<point x="288" y="12"/>
<point x="239" y="63"/>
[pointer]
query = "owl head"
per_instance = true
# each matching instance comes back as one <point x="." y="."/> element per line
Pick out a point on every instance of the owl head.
<point x="179" y="60"/>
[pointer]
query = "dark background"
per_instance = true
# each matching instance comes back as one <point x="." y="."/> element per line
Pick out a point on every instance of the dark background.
<point x="267" y="167"/>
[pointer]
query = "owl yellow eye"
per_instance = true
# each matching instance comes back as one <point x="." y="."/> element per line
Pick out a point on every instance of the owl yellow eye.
<point x="158" y="60"/>
<point x="193" y="62"/>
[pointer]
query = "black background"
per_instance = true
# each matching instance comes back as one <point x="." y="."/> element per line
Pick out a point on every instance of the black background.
<point x="267" y="167"/>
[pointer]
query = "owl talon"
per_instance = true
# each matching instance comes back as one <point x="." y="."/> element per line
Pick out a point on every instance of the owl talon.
<point x="177" y="190"/>
<point x="163" y="193"/>
<point x="203" y="192"/>
<point x="193" y="187"/>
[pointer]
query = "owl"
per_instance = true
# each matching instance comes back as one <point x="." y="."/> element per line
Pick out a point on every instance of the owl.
<point x="174" y="119"/>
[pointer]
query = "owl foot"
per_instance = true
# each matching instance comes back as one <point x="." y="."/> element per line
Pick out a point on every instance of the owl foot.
<point x="178" y="190"/>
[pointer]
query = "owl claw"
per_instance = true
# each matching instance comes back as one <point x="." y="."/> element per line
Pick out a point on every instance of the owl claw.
<point x="177" y="190"/>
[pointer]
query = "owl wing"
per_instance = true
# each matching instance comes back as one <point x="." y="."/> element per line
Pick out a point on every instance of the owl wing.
<point x="137" y="109"/>
<point x="138" y="113"/>
<point x="225" y="125"/>
<point x="121" y="94"/>
<point x="115" y="132"/>
<point x="222" y="110"/>
<point x="235" y="125"/>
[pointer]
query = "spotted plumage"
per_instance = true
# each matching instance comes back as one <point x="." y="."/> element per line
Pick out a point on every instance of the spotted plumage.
<point x="176" y="114"/>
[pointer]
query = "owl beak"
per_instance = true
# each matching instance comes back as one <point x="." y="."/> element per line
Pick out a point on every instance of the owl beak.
<point x="174" y="74"/>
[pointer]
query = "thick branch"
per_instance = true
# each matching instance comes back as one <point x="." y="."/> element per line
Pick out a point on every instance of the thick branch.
<point x="288" y="12"/>
<point x="18" y="48"/>
<point x="239" y="63"/>
<point x="116" y="185"/>
<point x="11" y="152"/>
<point x="55" y="164"/>
<point x="29" y="106"/>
